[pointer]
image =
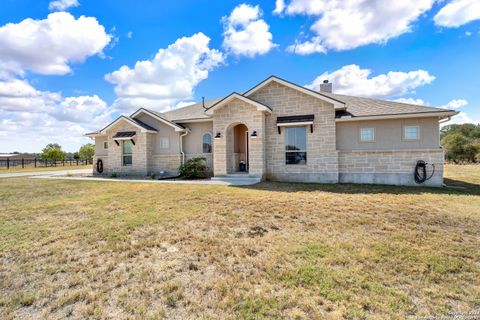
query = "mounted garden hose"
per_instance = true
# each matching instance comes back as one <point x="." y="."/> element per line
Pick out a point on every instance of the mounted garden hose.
<point x="421" y="171"/>
<point x="99" y="166"/>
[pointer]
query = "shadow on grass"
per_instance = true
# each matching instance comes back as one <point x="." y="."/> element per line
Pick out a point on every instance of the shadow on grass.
<point x="454" y="187"/>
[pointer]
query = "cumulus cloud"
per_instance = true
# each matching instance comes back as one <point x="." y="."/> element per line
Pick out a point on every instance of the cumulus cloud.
<point x="352" y="80"/>
<point x="50" y="45"/>
<point x="169" y="77"/>
<point x="33" y="118"/>
<point x="344" y="25"/>
<point x="62" y="5"/>
<point x="457" y="13"/>
<point x="245" y="34"/>
<point x="455" y="104"/>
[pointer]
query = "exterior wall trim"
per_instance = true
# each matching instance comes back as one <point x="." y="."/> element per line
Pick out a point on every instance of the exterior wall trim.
<point x="440" y="115"/>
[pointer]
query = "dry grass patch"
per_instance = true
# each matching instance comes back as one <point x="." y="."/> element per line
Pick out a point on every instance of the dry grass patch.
<point x="296" y="251"/>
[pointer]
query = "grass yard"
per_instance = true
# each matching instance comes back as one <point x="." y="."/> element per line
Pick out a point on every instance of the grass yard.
<point x="30" y="168"/>
<point x="88" y="249"/>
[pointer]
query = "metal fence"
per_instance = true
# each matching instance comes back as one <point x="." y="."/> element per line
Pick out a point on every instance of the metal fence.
<point x="41" y="163"/>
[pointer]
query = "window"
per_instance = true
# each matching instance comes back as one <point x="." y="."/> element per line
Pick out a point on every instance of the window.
<point x="127" y="153"/>
<point x="367" y="134"/>
<point x="105" y="145"/>
<point x="411" y="132"/>
<point x="164" y="143"/>
<point x="207" y="143"/>
<point x="296" y="145"/>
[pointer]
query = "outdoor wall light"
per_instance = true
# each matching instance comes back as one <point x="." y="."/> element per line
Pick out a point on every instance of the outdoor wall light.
<point x="254" y="134"/>
<point x="218" y="135"/>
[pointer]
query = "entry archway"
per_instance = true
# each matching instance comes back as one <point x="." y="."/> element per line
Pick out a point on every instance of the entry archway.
<point x="237" y="148"/>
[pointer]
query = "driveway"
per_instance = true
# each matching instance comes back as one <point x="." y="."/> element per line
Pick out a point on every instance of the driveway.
<point x="45" y="173"/>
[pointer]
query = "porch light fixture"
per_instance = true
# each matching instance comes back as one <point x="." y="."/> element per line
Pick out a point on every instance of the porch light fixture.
<point x="254" y="134"/>
<point x="218" y="135"/>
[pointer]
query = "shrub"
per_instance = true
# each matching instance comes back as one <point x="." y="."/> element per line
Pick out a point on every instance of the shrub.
<point x="114" y="175"/>
<point x="195" y="168"/>
<point x="153" y="175"/>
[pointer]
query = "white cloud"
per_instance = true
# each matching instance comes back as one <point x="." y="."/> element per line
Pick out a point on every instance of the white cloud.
<point x="49" y="46"/>
<point x="130" y="35"/>
<point x="461" y="118"/>
<point x="411" y="101"/>
<point x="32" y="118"/>
<point x="245" y="34"/>
<point x="352" y="80"/>
<point x="169" y="77"/>
<point x="343" y="25"/>
<point x="457" y="13"/>
<point x="455" y="104"/>
<point x="62" y="5"/>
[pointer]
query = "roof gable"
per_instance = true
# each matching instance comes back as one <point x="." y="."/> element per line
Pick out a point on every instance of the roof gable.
<point x="338" y="104"/>
<point x="235" y="95"/>
<point x="142" y="126"/>
<point x="158" y="116"/>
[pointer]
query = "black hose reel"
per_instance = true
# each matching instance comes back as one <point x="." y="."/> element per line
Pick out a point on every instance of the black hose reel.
<point x="420" y="174"/>
<point x="99" y="166"/>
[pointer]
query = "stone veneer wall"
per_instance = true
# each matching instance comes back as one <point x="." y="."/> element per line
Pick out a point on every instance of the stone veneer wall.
<point x="322" y="156"/>
<point x="224" y="120"/>
<point x="388" y="166"/>
<point x="165" y="162"/>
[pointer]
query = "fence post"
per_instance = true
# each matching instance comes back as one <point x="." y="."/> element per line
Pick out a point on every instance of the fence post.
<point x="8" y="163"/>
<point x="23" y="163"/>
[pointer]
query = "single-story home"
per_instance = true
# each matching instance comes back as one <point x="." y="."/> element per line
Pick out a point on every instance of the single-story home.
<point x="281" y="131"/>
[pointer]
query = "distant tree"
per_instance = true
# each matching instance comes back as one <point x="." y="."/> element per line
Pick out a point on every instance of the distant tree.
<point x="76" y="155"/>
<point x="87" y="151"/>
<point x="53" y="151"/>
<point x="469" y="130"/>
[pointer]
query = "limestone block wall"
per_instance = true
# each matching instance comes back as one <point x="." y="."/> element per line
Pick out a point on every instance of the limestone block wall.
<point x="165" y="162"/>
<point x="388" y="166"/>
<point x="224" y="120"/>
<point x="322" y="156"/>
<point x="112" y="162"/>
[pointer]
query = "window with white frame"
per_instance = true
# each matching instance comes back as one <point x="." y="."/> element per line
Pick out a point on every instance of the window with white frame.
<point x="296" y="145"/>
<point x="411" y="132"/>
<point x="127" y="153"/>
<point x="105" y="145"/>
<point x="367" y="134"/>
<point x="207" y="143"/>
<point x="164" y="142"/>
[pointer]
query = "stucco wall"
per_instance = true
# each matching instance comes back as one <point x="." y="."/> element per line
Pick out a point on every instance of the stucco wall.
<point x="192" y="142"/>
<point x="322" y="158"/>
<point x="388" y="134"/>
<point x="163" y="131"/>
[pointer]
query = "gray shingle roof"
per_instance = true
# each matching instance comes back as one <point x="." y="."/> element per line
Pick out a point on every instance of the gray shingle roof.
<point x="193" y="111"/>
<point x="363" y="107"/>
<point x="143" y="124"/>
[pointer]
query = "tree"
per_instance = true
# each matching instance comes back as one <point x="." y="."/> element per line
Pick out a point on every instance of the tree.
<point x="53" y="151"/>
<point x="87" y="151"/>
<point x="461" y="142"/>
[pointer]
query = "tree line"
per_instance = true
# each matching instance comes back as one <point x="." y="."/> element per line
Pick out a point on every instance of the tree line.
<point x="53" y="151"/>
<point x="461" y="142"/>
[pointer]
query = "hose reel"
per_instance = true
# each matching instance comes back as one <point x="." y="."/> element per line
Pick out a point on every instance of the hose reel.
<point x="99" y="166"/>
<point x="420" y="174"/>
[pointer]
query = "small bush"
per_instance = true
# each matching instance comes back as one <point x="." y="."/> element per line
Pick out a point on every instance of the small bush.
<point x="194" y="168"/>
<point x="114" y="175"/>
<point x="153" y="175"/>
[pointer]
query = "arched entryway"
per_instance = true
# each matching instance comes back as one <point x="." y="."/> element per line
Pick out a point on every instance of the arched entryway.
<point x="237" y="149"/>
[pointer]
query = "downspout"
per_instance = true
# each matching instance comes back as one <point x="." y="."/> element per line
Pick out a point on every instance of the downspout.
<point x="181" y="145"/>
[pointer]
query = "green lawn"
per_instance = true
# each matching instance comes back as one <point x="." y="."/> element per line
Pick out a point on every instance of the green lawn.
<point x="87" y="249"/>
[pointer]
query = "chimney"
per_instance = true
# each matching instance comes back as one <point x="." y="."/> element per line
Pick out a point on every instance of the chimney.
<point x="326" y="87"/>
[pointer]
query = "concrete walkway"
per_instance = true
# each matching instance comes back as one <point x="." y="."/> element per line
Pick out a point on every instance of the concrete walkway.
<point x="44" y="173"/>
<point x="64" y="175"/>
<point x="131" y="180"/>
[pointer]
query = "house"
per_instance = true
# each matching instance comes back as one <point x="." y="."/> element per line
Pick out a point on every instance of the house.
<point x="281" y="131"/>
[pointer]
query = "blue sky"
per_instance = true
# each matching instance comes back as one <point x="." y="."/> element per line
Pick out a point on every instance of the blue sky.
<point x="61" y="75"/>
